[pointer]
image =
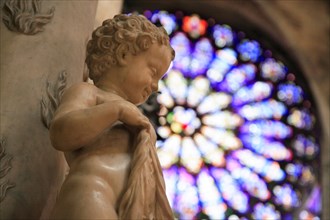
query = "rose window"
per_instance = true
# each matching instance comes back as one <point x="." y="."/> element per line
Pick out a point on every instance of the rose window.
<point x="236" y="127"/>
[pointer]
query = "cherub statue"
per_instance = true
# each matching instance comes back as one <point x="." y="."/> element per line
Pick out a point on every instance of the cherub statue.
<point x="108" y="143"/>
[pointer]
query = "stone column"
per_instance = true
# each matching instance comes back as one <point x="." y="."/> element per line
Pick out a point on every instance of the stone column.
<point x="42" y="52"/>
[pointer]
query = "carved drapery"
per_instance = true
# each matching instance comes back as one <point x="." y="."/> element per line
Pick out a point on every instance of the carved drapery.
<point x="25" y="16"/>
<point x="49" y="103"/>
<point x="5" y="166"/>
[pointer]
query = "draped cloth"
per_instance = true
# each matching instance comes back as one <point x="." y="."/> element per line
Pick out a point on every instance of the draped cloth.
<point x="144" y="197"/>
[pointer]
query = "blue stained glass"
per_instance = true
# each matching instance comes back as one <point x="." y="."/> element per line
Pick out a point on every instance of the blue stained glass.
<point x="186" y="200"/>
<point x="305" y="146"/>
<point x="294" y="171"/>
<point x="267" y="128"/>
<point x="230" y="190"/>
<point x="213" y="203"/>
<point x="263" y="110"/>
<point x="289" y="93"/>
<point x="249" y="180"/>
<point x="231" y="127"/>
<point x="223" y="61"/>
<point x="167" y="20"/>
<point x="223" y="35"/>
<point x="270" y="149"/>
<point x="181" y="45"/>
<point x="201" y="57"/>
<point x="249" y="50"/>
<point x="273" y="70"/>
<point x="171" y="178"/>
<point x="286" y="196"/>
<point x="265" y="211"/>
<point x="252" y="93"/>
<point x="238" y="77"/>
<point x="301" y="119"/>
<point x="270" y="170"/>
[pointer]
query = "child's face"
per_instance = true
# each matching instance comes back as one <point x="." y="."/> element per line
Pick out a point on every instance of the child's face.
<point x="143" y="72"/>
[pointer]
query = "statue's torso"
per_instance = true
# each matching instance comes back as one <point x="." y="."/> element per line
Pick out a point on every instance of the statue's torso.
<point x="100" y="168"/>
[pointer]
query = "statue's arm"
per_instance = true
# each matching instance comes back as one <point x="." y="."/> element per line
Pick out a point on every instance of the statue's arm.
<point x="80" y="118"/>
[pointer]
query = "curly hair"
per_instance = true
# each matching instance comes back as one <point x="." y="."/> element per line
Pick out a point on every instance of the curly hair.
<point x="120" y="35"/>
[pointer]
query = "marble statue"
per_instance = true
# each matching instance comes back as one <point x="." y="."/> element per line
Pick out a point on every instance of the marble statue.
<point x="108" y="143"/>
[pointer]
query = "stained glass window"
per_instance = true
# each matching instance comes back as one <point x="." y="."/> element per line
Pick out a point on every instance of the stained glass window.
<point x="236" y="130"/>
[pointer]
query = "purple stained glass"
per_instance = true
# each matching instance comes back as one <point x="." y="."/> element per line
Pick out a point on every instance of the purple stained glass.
<point x="249" y="50"/>
<point x="231" y="128"/>
<point x="238" y="77"/>
<point x="273" y="70"/>
<point x="305" y="146"/>
<point x="286" y="196"/>
<point x="301" y="119"/>
<point x="252" y="93"/>
<point x="289" y="93"/>
<point x="223" y="35"/>
<point x="268" y="148"/>
<point x="263" y="110"/>
<point x="167" y="20"/>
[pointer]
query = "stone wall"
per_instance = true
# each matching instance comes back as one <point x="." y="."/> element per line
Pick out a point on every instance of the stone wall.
<point x="42" y="52"/>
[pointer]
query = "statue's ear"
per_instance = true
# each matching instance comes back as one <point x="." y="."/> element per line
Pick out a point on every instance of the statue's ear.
<point x="123" y="58"/>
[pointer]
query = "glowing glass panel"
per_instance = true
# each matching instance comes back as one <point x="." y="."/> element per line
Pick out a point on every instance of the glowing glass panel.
<point x="270" y="149"/>
<point x="301" y="119"/>
<point x="210" y="150"/>
<point x="263" y="110"/>
<point x="194" y="26"/>
<point x="230" y="190"/>
<point x="213" y="203"/>
<point x="249" y="180"/>
<point x="286" y="196"/>
<point x="186" y="200"/>
<point x="265" y="211"/>
<point x="190" y="156"/>
<point x="254" y="93"/>
<point x="223" y="35"/>
<point x="167" y="20"/>
<point x="289" y="93"/>
<point x="249" y="50"/>
<point x="305" y="146"/>
<point x="238" y="77"/>
<point x="232" y="127"/>
<point x="273" y="70"/>
<point x="198" y="89"/>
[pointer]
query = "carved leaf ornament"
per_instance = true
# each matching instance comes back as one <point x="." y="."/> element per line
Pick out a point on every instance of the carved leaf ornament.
<point x="5" y="166"/>
<point x="25" y="16"/>
<point x="50" y="103"/>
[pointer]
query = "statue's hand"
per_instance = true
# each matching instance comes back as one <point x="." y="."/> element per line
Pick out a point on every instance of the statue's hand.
<point x="130" y="114"/>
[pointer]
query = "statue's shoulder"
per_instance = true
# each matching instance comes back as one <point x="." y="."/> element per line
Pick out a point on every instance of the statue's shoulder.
<point x="80" y="92"/>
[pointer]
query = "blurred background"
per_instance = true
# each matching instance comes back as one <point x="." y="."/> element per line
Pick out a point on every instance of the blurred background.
<point x="239" y="118"/>
<point x="242" y="117"/>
